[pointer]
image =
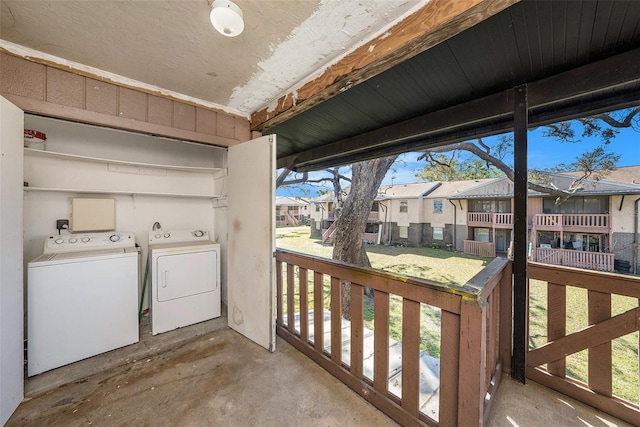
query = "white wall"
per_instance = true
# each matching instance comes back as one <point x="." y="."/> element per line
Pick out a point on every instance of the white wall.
<point x="622" y="220"/>
<point x="135" y="214"/>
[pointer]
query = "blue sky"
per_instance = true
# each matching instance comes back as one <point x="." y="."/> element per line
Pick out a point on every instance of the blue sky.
<point x="543" y="153"/>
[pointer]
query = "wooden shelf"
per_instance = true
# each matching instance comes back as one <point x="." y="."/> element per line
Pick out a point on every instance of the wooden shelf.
<point x="125" y="193"/>
<point x="56" y="155"/>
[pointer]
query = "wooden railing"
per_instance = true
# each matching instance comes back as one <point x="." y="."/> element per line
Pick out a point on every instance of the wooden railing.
<point x="596" y="389"/>
<point x="480" y="218"/>
<point x="490" y="219"/>
<point x="373" y="215"/>
<point x="573" y="222"/>
<point x="329" y="234"/>
<point x="547" y="221"/>
<point x="475" y="336"/>
<point x="601" y="261"/>
<point x="483" y="249"/>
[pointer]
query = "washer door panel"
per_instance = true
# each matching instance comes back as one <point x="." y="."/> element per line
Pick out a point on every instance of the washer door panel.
<point x="182" y="275"/>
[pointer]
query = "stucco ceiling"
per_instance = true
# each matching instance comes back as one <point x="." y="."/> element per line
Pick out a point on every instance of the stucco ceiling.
<point x="171" y="44"/>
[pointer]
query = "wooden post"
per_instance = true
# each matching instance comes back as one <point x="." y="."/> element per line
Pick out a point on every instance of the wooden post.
<point x="473" y="347"/>
<point x="520" y="291"/>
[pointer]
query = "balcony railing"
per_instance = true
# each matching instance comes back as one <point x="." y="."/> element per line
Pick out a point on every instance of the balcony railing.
<point x="373" y="215"/>
<point x="601" y="261"/>
<point x="490" y="219"/>
<point x="477" y="248"/>
<point x="600" y="223"/>
<point x="474" y="336"/>
<point x="610" y="307"/>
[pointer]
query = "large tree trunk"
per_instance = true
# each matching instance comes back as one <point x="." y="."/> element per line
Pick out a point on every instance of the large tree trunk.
<point x="366" y="178"/>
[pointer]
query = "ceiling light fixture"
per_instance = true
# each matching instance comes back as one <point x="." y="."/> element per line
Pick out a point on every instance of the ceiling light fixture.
<point x="226" y="17"/>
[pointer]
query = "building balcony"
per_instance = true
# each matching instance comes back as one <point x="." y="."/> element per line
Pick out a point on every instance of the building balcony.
<point x="373" y="216"/>
<point x="490" y="219"/>
<point x="601" y="261"/>
<point x="585" y="223"/>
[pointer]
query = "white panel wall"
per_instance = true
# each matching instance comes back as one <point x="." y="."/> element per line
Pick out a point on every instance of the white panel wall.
<point x="11" y="314"/>
<point x="135" y="214"/>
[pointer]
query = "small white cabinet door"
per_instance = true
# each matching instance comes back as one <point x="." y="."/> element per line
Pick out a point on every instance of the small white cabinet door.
<point x="11" y="315"/>
<point x="251" y="240"/>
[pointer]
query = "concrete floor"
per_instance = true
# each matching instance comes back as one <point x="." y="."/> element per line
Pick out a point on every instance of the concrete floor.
<point x="207" y="374"/>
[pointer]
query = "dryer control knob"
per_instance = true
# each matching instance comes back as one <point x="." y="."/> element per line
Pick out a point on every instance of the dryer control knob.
<point x="73" y="240"/>
<point x="85" y="239"/>
<point x="114" y="237"/>
<point x="59" y="241"/>
<point x="167" y="235"/>
<point x="198" y="233"/>
<point x="157" y="235"/>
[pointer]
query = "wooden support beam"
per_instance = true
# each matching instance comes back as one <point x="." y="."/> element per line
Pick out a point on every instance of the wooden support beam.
<point x="437" y="21"/>
<point x="520" y="196"/>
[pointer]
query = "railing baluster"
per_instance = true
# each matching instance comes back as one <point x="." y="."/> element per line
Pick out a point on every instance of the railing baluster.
<point x="556" y="323"/>
<point x="381" y="341"/>
<point x="318" y="312"/>
<point x="449" y="368"/>
<point x="410" y="355"/>
<point x="336" y="321"/>
<point x="290" y="299"/>
<point x="600" y="371"/>
<point x="304" y="305"/>
<point x="357" y="331"/>
<point x="279" y="290"/>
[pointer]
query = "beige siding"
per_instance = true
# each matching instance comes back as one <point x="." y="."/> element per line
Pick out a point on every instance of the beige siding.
<point x="622" y="219"/>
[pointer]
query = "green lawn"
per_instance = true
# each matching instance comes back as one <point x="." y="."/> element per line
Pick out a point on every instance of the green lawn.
<point x="451" y="267"/>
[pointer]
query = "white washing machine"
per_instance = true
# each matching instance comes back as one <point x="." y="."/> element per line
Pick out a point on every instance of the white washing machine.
<point x="82" y="296"/>
<point x="185" y="279"/>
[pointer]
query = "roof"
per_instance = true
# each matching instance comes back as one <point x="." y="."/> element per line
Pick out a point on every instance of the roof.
<point x="406" y="191"/>
<point x="452" y="188"/>
<point x="503" y="187"/>
<point x="290" y="201"/>
<point x="623" y="175"/>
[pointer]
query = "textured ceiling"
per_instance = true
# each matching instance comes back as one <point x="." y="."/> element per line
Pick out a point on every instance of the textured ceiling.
<point x="172" y="45"/>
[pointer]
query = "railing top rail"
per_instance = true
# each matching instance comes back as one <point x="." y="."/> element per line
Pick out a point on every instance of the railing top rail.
<point x="472" y="290"/>
<point x="609" y="283"/>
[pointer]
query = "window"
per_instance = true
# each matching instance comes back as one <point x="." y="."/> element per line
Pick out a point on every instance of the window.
<point x="317" y="208"/>
<point x="404" y="232"/>
<point x="292" y="208"/>
<point x="375" y="207"/>
<point x="404" y="206"/>
<point x="317" y="225"/>
<point x="437" y="206"/>
<point x="438" y="233"/>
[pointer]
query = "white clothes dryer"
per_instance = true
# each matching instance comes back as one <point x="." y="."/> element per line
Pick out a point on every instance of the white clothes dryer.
<point x="185" y="279"/>
<point x="82" y="296"/>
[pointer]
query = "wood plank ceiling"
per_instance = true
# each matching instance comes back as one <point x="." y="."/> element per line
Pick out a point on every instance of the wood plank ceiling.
<point x="577" y="57"/>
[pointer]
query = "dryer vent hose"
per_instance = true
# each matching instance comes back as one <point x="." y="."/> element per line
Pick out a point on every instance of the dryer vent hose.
<point x="144" y="288"/>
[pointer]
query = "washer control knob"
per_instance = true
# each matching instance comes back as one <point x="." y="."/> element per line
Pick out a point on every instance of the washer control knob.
<point x="167" y="235"/>
<point x="198" y="233"/>
<point x="59" y="241"/>
<point x="114" y="237"/>
<point x="158" y="235"/>
<point x="85" y="239"/>
<point x="73" y="240"/>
